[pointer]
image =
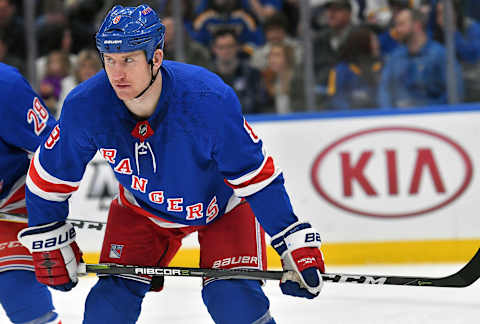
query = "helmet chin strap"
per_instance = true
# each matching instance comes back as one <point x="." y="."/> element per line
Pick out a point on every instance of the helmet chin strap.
<point x="153" y="77"/>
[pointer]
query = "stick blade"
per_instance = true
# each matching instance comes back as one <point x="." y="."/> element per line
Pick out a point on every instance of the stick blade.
<point x="467" y="275"/>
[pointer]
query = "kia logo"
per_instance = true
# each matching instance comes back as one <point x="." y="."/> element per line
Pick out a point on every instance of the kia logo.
<point x="392" y="172"/>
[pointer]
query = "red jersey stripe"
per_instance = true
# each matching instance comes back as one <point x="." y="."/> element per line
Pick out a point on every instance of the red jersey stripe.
<point x="46" y="185"/>
<point x="267" y="171"/>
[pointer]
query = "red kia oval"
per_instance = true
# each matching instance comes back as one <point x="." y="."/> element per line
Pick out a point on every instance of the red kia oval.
<point x="343" y="205"/>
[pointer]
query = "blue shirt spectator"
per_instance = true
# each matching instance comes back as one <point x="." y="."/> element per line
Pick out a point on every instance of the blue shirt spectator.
<point x="353" y="83"/>
<point x="350" y="87"/>
<point x="467" y="46"/>
<point x="467" y="34"/>
<point x="416" y="80"/>
<point x="415" y="74"/>
<point x="388" y="42"/>
<point x="276" y="4"/>
<point x="388" y="38"/>
<point x="227" y="15"/>
<point x="237" y="73"/>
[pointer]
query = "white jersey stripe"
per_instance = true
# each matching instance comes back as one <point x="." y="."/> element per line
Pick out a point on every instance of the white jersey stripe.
<point x="51" y="196"/>
<point x="255" y="187"/>
<point x="44" y="175"/>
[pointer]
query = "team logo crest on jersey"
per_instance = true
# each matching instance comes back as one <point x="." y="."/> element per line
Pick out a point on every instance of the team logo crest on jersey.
<point x="142" y="131"/>
<point x="115" y="251"/>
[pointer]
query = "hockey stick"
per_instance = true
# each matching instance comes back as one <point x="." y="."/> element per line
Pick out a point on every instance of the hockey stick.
<point x="21" y="218"/>
<point x="463" y="278"/>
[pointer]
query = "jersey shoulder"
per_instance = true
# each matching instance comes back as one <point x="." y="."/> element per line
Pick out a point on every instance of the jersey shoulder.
<point x="13" y="86"/>
<point x="94" y="91"/>
<point x="201" y="103"/>
<point x="194" y="79"/>
<point x="88" y="101"/>
<point x="199" y="90"/>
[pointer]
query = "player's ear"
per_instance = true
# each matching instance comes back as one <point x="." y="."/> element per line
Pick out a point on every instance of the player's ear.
<point x="157" y="58"/>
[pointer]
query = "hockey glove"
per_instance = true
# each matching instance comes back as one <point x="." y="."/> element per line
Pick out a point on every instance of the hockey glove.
<point x="55" y="253"/>
<point x="298" y="245"/>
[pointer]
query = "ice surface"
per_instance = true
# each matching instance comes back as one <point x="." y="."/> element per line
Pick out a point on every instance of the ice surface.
<point x="181" y="302"/>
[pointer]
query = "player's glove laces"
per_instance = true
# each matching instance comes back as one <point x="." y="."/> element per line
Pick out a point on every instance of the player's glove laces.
<point x="55" y="253"/>
<point x="299" y="247"/>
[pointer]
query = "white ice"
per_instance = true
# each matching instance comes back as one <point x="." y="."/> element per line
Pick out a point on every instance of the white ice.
<point x="180" y="301"/>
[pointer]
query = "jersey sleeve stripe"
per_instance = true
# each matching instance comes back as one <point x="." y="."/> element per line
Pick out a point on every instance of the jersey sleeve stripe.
<point x="51" y="196"/>
<point x="264" y="172"/>
<point x="262" y="179"/>
<point x="46" y="185"/>
<point x="49" y="178"/>
<point x="251" y="175"/>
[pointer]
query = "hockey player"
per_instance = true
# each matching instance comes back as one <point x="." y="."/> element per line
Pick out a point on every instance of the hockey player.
<point x="25" y="122"/>
<point x="186" y="161"/>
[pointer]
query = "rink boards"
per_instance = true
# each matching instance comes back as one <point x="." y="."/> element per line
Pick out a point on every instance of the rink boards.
<point x="380" y="186"/>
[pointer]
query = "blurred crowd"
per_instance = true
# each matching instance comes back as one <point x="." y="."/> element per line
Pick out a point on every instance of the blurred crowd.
<point x="379" y="54"/>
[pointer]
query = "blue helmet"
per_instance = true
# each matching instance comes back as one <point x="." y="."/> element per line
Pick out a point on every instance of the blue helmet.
<point x="127" y="29"/>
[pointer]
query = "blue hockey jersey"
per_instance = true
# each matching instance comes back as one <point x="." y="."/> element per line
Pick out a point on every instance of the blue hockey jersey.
<point x="24" y="123"/>
<point x="182" y="165"/>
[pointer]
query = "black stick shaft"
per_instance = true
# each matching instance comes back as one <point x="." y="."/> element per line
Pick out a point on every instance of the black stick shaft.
<point x="181" y="272"/>
<point x="463" y="278"/>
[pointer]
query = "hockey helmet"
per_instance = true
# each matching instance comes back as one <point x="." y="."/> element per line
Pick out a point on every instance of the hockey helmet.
<point x="127" y="29"/>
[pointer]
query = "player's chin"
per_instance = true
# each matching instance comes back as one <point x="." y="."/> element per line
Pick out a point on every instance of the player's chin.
<point x="125" y="94"/>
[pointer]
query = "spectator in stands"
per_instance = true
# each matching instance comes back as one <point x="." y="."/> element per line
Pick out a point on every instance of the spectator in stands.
<point x="226" y="14"/>
<point x="261" y="9"/>
<point x="353" y="83"/>
<point x="467" y="35"/>
<point x="194" y="52"/>
<point x="58" y="67"/>
<point x="389" y="39"/>
<point x="275" y="29"/>
<point x="12" y="26"/>
<point x="415" y="74"/>
<point x="467" y="46"/>
<point x="87" y="65"/>
<point x="283" y="80"/>
<point x="327" y="43"/>
<point x="237" y="73"/>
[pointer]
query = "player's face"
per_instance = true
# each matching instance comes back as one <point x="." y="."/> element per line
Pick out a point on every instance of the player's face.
<point x="129" y="73"/>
